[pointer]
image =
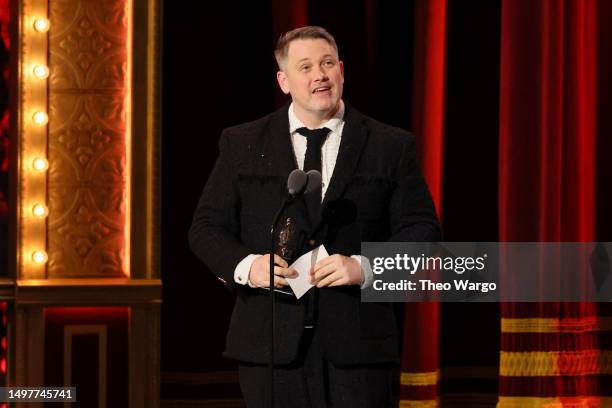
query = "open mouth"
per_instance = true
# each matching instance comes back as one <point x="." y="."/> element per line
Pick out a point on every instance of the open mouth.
<point x="321" y="89"/>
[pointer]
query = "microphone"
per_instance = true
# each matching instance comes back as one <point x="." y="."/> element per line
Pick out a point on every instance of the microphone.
<point x="314" y="181"/>
<point x="297" y="183"/>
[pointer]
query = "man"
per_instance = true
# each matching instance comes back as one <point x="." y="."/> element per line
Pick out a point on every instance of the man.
<point x="331" y="350"/>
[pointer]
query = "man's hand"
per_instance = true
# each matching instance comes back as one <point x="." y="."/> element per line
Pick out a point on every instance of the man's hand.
<point x="259" y="275"/>
<point x="336" y="270"/>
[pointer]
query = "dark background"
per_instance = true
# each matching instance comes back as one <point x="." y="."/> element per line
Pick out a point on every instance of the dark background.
<point x="219" y="71"/>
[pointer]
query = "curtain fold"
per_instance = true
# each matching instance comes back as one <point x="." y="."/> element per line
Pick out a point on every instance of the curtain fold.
<point x="551" y="353"/>
<point x="554" y="110"/>
<point x="420" y="360"/>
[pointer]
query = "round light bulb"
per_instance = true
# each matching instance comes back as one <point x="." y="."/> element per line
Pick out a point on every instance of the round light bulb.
<point x="41" y="71"/>
<point x="40" y="118"/>
<point x="39" y="257"/>
<point x="40" y="210"/>
<point x="40" y="164"/>
<point x="41" y="25"/>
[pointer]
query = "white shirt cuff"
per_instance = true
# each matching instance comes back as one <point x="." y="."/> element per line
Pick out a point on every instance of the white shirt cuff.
<point x="366" y="268"/>
<point x="241" y="273"/>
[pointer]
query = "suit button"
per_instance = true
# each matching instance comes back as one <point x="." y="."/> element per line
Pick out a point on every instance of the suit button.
<point x="312" y="243"/>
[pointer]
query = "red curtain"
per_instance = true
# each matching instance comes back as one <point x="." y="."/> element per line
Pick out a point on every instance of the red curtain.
<point x="552" y="352"/>
<point x="287" y="15"/>
<point x="555" y="105"/>
<point x="420" y="358"/>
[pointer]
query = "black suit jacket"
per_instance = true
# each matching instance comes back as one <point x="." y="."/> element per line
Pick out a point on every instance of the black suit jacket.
<point x="376" y="193"/>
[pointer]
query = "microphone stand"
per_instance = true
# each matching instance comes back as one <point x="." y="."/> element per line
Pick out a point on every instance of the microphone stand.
<point x="297" y="183"/>
<point x="287" y="200"/>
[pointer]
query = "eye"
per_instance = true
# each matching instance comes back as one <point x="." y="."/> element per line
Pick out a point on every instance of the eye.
<point x="304" y="67"/>
<point x="328" y="63"/>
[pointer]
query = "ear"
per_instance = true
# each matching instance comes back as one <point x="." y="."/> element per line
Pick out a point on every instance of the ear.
<point x="341" y="69"/>
<point x="281" y="77"/>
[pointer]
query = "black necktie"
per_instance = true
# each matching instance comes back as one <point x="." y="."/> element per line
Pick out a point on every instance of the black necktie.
<point x="315" y="139"/>
<point x="312" y="161"/>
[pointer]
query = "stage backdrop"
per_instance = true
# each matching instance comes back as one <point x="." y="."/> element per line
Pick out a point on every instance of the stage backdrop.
<point x="511" y="104"/>
<point x="4" y="137"/>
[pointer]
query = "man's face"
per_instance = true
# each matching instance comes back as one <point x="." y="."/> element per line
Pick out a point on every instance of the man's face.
<point x="313" y="76"/>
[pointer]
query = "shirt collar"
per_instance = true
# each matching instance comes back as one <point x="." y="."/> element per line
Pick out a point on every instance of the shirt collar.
<point x="333" y="124"/>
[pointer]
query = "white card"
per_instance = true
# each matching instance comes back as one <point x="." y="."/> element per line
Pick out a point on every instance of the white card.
<point x="301" y="284"/>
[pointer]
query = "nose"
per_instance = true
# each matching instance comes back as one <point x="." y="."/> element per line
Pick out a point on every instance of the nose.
<point x="320" y="74"/>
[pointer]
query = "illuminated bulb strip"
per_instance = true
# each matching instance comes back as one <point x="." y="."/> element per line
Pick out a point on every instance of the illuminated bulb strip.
<point x="40" y="118"/>
<point x="40" y="210"/>
<point x="35" y="73"/>
<point x="41" y="71"/>
<point x="40" y="164"/>
<point x="41" y="25"/>
<point x="40" y="257"/>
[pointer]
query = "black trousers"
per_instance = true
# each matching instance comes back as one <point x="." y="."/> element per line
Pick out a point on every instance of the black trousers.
<point x="313" y="382"/>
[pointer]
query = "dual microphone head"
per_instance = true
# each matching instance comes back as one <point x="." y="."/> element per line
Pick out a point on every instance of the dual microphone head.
<point x="300" y="182"/>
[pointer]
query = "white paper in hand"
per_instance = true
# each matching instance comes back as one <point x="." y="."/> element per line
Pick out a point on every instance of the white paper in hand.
<point x="301" y="284"/>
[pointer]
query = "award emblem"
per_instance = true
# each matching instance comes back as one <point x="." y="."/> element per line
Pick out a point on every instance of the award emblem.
<point x="286" y="243"/>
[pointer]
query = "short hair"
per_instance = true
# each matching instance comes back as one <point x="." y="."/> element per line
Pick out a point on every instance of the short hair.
<point x="302" y="33"/>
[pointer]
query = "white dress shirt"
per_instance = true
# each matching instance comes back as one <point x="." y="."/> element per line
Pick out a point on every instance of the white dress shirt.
<point x="329" y="154"/>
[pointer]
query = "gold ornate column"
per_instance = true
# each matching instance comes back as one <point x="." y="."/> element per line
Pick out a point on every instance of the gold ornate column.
<point x="87" y="183"/>
<point x="89" y="132"/>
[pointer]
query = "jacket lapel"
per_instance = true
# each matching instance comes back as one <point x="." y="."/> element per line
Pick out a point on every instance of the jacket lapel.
<point x="354" y="136"/>
<point x="281" y="156"/>
<point x="279" y="147"/>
